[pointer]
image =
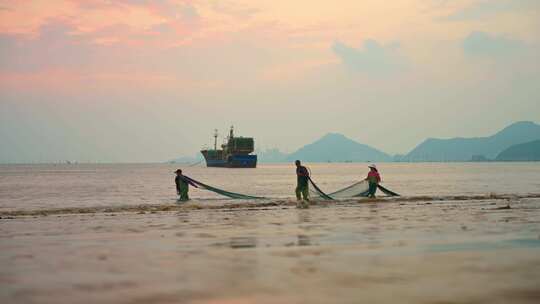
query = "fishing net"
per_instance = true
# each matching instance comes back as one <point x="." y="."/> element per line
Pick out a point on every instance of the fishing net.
<point x="314" y="190"/>
<point x="317" y="192"/>
<point x="222" y="192"/>
<point x="359" y="189"/>
<point x="386" y="191"/>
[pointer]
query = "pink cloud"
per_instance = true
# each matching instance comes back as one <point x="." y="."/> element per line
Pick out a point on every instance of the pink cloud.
<point x="136" y="18"/>
<point x="142" y="43"/>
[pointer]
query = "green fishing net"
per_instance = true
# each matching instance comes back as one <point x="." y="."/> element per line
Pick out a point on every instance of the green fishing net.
<point x="386" y="191"/>
<point x="223" y="192"/>
<point x="358" y="189"/>
<point x="317" y="191"/>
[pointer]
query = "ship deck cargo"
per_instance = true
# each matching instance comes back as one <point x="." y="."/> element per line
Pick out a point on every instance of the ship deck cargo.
<point x="236" y="153"/>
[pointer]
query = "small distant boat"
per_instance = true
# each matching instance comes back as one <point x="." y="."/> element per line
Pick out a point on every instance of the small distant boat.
<point x="236" y="153"/>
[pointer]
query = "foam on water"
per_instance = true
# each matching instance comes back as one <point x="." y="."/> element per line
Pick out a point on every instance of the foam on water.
<point x="502" y="202"/>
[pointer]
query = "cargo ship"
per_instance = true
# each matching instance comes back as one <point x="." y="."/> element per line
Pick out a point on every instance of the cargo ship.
<point x="236" y="153"/>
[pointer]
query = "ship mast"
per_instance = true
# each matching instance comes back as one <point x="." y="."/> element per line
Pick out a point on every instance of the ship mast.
<point x="231" y="134"/>
<point x="215" y="139"/>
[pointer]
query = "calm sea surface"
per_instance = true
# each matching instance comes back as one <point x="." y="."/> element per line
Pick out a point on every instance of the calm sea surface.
<point x="24" y="187"/>
<point x="458" y="249"/>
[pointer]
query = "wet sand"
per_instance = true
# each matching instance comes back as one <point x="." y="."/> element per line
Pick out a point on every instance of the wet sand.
<point x="481" y="249"/>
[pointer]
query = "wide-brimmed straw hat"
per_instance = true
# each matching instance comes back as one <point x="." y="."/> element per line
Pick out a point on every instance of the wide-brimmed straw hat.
<point x="372" y="166"/>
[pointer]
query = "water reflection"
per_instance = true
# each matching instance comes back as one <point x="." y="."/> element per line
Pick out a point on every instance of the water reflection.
<point x="303" y="240"/>
<point x="242" y="242"/>
<point x="304" y="216"/>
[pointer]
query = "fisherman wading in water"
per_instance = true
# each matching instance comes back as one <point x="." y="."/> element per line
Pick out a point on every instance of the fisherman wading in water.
<point x="374" y="179"/>
<point x="182" y="185"/>
<point x="302" y="187"/>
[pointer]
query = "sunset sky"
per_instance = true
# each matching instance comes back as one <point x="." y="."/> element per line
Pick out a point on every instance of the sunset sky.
<point x="135" y="80"/>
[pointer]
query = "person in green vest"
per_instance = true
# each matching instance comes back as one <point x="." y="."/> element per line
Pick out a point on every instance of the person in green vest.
<point x="182" y="185"/>
<point x="302" y="184"/>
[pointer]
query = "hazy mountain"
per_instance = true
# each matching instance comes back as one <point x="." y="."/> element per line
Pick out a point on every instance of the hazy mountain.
<point x="187" y="159"/>
<point x="271" y="156"/>
<point x="338" y="148"/>
<point x="529" y="151"/>
<point x="463" y="149"/>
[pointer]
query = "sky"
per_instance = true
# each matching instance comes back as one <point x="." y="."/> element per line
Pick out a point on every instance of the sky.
<point x="146" y="81"/>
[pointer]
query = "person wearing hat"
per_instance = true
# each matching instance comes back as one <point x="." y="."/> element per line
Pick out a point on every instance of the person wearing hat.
<point x="302" y="187"/>
<point x="182" y="185"/>
<point x="374" y="179"/>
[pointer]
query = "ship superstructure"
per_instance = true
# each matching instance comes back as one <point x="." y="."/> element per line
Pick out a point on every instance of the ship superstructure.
<point x="235" y="153"/>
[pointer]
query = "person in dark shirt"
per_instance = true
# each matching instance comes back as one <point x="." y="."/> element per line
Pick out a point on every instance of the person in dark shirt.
<point x="302" y="183"/>
<point x="182" y="185"/>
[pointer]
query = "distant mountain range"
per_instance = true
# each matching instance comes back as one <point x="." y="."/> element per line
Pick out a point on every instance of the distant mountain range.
<point x="271" y="156"/>
<point x="529" y="151"/>
<point x="466" y="149"/>
<point x="187" y="159"/>
<point x="334" y="147"/>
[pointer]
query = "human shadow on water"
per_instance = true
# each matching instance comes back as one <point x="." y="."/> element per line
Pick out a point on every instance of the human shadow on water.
<point x="243" y="242"/>
<point x="303" y="240"/>
<point x="304" y="216"/>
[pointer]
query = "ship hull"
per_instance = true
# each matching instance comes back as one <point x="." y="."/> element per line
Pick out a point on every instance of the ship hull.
<point x="232" y="161"/>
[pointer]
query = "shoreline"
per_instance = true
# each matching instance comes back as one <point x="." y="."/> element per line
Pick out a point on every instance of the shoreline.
<point x="236" y="204"/>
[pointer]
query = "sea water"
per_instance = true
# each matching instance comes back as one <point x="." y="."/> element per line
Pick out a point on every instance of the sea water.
<point x="458" y="249"/>
<point x="49" y="186"/>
